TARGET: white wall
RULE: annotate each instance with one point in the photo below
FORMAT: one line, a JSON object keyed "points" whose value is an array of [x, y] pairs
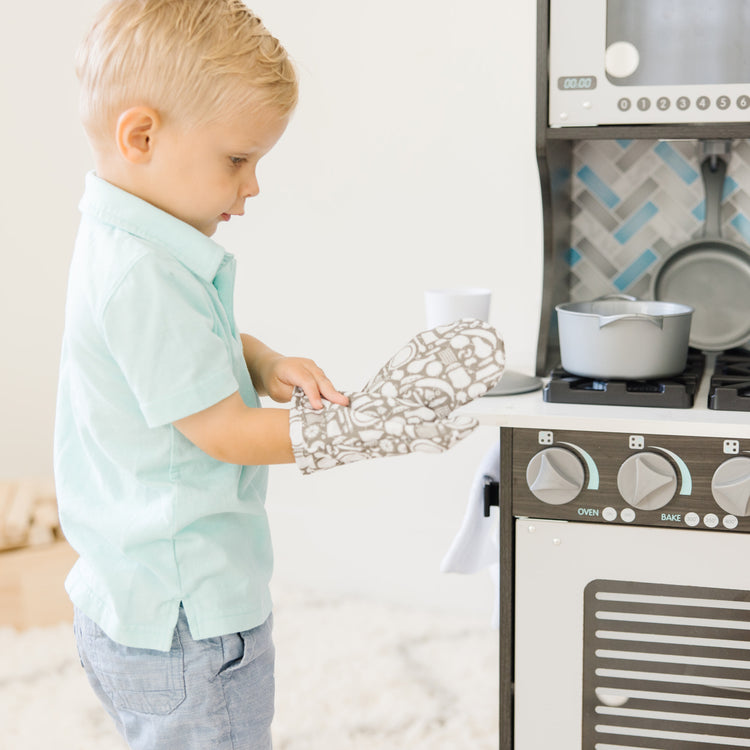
{"points": [[409, 164]]}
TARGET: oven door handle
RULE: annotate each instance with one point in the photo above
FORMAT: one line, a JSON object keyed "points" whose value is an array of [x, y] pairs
{"points": [[491, 494]]}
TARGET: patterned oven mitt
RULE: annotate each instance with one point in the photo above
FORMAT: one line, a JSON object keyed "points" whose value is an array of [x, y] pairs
{"points": [[371, 426], [444, 367], [406, 406]]}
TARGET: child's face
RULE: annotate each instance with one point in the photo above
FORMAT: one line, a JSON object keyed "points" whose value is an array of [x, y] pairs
{"points": [[203, 175]]}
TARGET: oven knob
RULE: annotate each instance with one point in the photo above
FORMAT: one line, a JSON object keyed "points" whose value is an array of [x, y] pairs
{"points": [[731, 486], [555, 476], [647, 481]]}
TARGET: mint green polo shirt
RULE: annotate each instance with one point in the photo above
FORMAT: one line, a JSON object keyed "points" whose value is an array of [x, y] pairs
{"points": [[150, 338]]}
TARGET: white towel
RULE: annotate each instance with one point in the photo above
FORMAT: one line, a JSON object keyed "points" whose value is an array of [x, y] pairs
{"points": [[477, 544]]}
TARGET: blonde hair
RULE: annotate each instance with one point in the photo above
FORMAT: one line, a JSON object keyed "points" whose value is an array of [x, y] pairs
{"points": [[196, 60]]}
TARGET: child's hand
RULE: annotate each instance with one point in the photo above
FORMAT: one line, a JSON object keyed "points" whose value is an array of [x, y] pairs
{"points": [[276, 376], [284, 373]]}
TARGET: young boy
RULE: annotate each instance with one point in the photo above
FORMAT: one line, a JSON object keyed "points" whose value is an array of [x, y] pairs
{"points": [[161, 449]]}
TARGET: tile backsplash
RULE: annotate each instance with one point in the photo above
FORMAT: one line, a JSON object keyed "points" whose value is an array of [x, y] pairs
{"points": [[634, 202]]}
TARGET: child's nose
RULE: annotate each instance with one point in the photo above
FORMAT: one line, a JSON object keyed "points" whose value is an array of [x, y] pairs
{"points": [[250, 188]]}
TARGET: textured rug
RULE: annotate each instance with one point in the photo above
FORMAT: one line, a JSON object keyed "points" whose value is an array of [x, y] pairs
{"points": [[351, 675]]}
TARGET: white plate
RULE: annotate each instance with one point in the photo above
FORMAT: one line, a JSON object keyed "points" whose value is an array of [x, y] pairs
{"points": [[513, 383]]}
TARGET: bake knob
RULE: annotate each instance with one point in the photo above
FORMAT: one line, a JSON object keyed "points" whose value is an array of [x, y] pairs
{"points": [[647, 481], [555, 476], [731, 486]]}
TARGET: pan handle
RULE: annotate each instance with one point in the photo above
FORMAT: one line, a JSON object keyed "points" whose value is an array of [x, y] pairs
{"points": [[608, 320], [714, 170]]}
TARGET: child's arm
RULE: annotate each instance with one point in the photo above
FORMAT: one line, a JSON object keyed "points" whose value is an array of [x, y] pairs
{"points": [[233, 432], [406, 408]]}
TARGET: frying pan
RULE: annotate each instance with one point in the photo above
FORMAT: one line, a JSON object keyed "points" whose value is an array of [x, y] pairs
{"points": [[711, 274]]}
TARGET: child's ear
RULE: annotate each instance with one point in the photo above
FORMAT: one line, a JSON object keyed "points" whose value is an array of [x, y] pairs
{"points": [[135, 130]]}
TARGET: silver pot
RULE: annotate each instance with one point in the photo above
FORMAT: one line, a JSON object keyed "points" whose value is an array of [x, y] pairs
{"points": [[623, 338]]}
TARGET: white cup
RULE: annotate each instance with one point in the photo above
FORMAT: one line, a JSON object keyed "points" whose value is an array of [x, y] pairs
{"points": [[443, 306]]}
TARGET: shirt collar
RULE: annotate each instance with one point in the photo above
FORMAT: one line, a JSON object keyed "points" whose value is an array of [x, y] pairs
{"points": [[122, 210]]}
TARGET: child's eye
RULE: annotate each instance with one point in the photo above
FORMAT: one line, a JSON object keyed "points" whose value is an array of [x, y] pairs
{"points": [[237, 160]]}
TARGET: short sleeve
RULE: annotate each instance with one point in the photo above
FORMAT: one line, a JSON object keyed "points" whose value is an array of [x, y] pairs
{"points": [[163, 328]]}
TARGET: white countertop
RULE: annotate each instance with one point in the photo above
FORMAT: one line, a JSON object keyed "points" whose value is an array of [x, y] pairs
{"points": [[530, 410]]}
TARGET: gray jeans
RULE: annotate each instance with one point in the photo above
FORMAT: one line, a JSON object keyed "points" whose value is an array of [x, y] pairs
{"points": [[216, 693]]}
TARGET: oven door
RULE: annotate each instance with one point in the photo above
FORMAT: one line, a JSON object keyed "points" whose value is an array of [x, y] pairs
{"points": [[630, 637]]}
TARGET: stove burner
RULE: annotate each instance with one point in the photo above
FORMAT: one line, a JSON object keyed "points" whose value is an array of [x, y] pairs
{"points": [[730, 383], [733, 363], [677, 392]]}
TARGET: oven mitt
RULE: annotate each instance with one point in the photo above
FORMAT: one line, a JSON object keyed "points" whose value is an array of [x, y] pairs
{"points": [[444, 367], [406, 406], [371, 426]]}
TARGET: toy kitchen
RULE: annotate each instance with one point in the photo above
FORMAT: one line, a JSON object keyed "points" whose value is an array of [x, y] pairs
{"points": [[624, 493]]}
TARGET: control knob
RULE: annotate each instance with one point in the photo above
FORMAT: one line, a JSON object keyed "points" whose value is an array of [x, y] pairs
{"points": [[555, 476], [647, 480], [731, 486]]}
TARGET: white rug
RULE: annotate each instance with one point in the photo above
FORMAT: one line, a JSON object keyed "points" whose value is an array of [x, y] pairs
{"points": [[351, 675]]}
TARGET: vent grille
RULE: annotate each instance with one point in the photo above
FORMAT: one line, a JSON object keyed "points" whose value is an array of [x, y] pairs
{"points": [[665, 667]]}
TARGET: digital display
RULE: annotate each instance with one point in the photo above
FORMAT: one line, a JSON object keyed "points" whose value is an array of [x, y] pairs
{"points": [[677, 42], [576, 83]]}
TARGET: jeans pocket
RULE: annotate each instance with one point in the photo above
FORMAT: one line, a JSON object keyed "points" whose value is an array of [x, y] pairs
{"points": [[135, 679], [240, 649]]}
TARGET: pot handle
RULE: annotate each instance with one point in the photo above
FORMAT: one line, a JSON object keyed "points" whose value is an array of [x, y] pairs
{"points": [[607, 320]]}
